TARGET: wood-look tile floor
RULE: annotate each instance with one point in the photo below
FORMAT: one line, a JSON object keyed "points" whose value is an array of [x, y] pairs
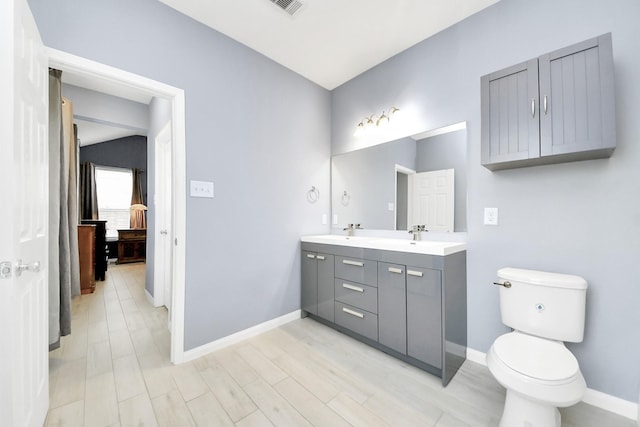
{"points": [[114, 370]]}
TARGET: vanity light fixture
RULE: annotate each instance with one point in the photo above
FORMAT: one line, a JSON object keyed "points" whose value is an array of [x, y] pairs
{"points": [[373, 121]]}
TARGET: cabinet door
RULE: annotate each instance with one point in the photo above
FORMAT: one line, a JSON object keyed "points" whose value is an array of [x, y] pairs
{"points": [[392, 307], [424, 315], [577, 98], [510, 125], [325, 268], [309, 282]]}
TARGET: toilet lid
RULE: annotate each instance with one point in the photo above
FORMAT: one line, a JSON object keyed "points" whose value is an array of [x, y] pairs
{"points": [[536, 357]]}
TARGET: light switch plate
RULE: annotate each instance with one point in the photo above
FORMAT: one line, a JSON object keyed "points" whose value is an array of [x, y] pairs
{"points": [[201, 189], [391, 206], [490, 216], [325, 220]]}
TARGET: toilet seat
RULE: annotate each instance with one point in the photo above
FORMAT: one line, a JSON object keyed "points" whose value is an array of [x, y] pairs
{"points": [[539, 359], [566, 390]]}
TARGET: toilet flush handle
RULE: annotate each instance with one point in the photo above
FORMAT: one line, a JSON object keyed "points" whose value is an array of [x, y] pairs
{"points": [[506, 284]]}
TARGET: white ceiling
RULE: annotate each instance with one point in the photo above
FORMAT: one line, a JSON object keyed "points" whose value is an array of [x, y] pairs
{"points": [[330, 41], [93, 132]]}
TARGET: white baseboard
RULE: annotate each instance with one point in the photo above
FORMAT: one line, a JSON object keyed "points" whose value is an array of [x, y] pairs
{"points": [[150, 298], [592, 397], [239, 336]]}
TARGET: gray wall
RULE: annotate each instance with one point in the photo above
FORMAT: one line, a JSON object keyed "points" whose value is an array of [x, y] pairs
{"points": [[447, 151], [106, 109], [129, 152], [256, 129], [581, 218]]}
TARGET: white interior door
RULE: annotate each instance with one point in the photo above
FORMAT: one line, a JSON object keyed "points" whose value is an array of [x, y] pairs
{"points": [[24, 172], [163, 205], [432, 200]]}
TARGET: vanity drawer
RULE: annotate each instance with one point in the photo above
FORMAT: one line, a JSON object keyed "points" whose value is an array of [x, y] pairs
{"points": [[357, 295], [359, 321], [357, 270]]}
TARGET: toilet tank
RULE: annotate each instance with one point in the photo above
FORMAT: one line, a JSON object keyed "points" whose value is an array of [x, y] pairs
{"points": [[548, 305]]}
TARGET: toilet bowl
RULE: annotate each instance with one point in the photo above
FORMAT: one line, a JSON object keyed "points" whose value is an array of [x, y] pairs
{"points": [[532, 363], [540, 375]]}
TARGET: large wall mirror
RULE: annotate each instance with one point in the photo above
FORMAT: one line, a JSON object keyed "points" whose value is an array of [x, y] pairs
{"points": [[415, 180]]}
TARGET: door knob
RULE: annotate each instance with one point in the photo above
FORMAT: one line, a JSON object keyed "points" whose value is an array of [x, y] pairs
{"points": [[5, 269], [33, 267]]}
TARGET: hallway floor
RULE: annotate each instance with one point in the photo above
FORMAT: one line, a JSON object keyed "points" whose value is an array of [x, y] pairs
{"points": [[114, 370]]}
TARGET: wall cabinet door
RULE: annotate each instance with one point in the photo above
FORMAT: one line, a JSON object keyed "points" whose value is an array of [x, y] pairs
{"points": [[309, 282], [392, 307], [577, 98], [510, 126], [424, 315], [326, 306]]}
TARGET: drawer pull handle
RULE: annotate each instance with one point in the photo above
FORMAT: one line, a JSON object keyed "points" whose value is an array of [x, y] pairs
{"points": [[353, 313], [395, 270], [354, 263], [311, 256], [320, 257], [414, 273], [353, 288]]}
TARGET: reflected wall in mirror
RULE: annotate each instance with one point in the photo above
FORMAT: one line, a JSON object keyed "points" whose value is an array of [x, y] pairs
{"points": [[377, 186]]}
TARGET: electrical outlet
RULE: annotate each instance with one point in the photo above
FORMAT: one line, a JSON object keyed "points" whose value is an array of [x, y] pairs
{"points": [[325, 220], [490, 216], [201, 189]]}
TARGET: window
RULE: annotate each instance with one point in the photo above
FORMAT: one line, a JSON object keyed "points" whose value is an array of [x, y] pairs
{"points": [[113, 188]]}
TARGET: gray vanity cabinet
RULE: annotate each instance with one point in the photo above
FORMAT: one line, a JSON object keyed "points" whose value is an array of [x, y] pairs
{"points": [[556, 108], [317, 284], [424, 315], [412, 306], [392, 306]]}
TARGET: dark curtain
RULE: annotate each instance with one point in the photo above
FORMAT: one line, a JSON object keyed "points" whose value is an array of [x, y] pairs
{"points": [[64, 267], [55, 136], [88, 194], [137, 219]]}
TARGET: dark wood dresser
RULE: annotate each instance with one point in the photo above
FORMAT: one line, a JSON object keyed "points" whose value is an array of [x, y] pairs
{"points": [[132, 245], [86, 250], [102, 253]]}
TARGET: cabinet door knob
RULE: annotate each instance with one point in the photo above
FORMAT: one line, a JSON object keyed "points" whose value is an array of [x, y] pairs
{"points": [[354, 263], [414, 273], [353, 312], [353, 288], [395, 270], [533, 107]]}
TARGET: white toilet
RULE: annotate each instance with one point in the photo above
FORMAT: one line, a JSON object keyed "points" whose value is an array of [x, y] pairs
{"points": [[532, 363]]}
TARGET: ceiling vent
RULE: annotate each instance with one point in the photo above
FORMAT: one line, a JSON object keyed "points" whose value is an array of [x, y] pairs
{"points": [[289, 6]]}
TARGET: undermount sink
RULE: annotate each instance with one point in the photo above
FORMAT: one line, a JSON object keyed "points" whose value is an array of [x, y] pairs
{"points": [[425, 247]]}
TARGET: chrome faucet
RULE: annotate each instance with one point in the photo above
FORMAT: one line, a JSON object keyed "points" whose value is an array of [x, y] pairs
{"points": [[416, 230], [351, 228]]}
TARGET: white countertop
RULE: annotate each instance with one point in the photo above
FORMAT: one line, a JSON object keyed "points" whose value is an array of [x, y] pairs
{"points": [[424, 247]]}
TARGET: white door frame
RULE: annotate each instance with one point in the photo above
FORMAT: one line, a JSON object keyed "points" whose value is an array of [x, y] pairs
{"points": [[67, 62]]}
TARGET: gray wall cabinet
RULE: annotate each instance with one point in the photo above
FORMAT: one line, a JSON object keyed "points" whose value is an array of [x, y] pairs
{"points": [[411, 306], [317, 284], [552, 109]]}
